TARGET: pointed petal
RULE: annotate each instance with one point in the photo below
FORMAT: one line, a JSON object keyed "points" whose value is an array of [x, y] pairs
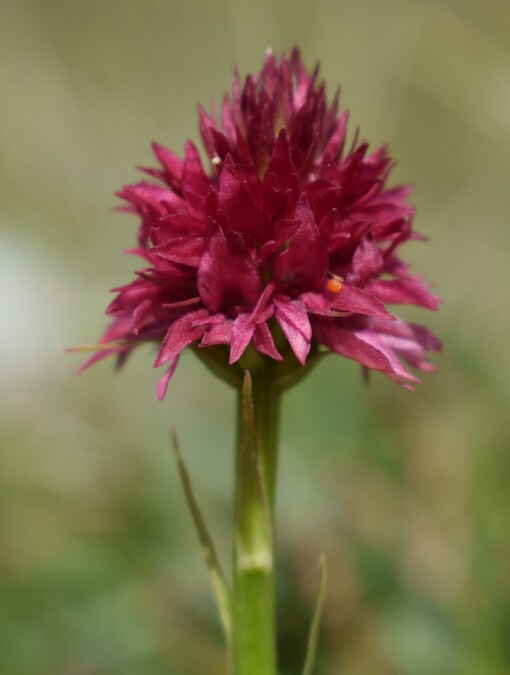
{"points": [[154, 196], [262, 310], [206, 124], [100, 355], [238, 201], [367, 263], [142, 315], [218, 334], [180, 334], [131, 295], [194, 178], [316, 303], [383, 345], [226, 278], [295, 312], [171, 163], [405, 330], [283, 230], [163, 383], [357, 301], [242, 332], [347, 343], [336, 143], [296, 328], [303, 265], [408, 341], [183, 250], [281, 164], [404, 291], [263, 341]]}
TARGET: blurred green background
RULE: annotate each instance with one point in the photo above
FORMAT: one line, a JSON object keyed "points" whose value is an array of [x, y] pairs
{"points": [[407, 494]]}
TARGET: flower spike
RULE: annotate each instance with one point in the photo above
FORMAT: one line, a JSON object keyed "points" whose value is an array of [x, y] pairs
{"points": [[280, 240]]}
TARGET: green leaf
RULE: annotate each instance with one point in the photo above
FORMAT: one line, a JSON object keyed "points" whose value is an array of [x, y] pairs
{"points": [[317, 615], [221, 589]]}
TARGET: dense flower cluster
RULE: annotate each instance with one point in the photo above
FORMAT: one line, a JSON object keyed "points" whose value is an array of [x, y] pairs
{"points": [[287, 240]]}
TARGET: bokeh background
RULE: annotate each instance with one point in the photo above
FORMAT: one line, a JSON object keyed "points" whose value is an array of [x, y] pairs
{"points": [[407, 494]]}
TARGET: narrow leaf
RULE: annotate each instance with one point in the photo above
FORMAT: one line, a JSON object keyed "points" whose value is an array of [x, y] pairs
{"points": [[219, 583], [317, 616]]}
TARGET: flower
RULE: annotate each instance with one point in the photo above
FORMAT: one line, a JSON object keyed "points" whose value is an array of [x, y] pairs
{"points": [[284, 245]]}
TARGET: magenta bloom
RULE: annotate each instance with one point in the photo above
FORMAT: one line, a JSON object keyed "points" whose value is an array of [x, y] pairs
{"points": [[286, 242]]}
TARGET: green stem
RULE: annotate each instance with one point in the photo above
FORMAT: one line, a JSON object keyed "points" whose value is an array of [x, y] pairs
{"points": [[253, 600], [266, 403]]}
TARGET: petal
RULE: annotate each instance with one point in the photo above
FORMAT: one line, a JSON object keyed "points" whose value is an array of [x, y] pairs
{"points": [[171, 163], [242, 332], [227, 280], [316, 303], [299, 344], [295, 325], [260, 312], [282, 231], [238, 202], [132, 295], [410, 351], [120, 329], [218, 334], [408, 291], [347, 343], [99, 356], [263, 341], [336, 143], [367, 263], [154, 196], [143, 315], [355, 300], [180, 334], [183, 250], [281, 164], [222, 146], [206, 124], [406, 330], [295, 312], [163, 383], [178, 225], [380, 343], [227, 115], [303, 265], [194, 178]]}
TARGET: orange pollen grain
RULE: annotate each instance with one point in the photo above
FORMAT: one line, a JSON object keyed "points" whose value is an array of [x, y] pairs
{"points": [[334, 285]]}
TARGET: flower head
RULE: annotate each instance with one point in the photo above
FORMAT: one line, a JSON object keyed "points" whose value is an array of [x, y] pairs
{"points": [[285, 242]]}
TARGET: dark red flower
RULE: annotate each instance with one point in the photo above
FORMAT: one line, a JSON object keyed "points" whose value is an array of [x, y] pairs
{"points": [[285, 242]]}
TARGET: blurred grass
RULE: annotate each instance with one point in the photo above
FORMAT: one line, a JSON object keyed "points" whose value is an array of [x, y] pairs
{"points": [[406, 494]]}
